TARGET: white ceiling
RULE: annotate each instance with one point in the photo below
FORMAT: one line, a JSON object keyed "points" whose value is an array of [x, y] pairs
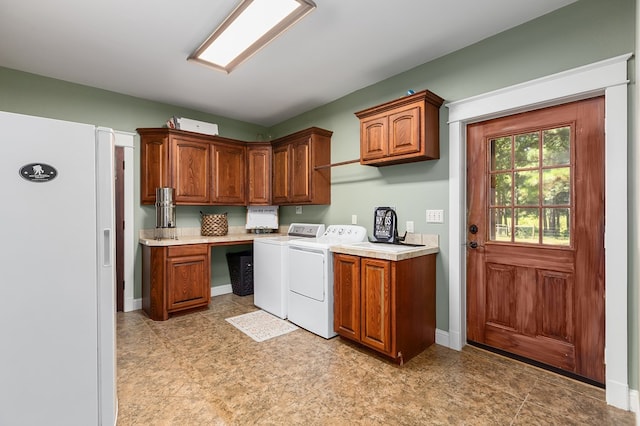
{"points": [[140, 48]]}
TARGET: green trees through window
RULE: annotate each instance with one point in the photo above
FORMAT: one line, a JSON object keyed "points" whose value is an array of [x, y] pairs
{"points": [[530, 187]]}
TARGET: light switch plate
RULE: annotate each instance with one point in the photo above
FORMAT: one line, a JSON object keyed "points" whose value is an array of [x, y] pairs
{"points": [[354, 219], [435, 216], [409, 226]]}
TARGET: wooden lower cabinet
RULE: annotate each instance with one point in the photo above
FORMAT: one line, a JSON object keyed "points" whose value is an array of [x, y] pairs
{"points": [[174, 279], [388, 306]]}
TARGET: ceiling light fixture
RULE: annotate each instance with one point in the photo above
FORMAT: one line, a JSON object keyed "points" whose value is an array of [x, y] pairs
{"points": [[252, 25]]}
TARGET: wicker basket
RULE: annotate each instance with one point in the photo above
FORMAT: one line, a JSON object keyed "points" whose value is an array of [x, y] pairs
{"points": [[214, 224]]}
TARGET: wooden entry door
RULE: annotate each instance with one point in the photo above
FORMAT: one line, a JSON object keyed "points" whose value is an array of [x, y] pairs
{"points": [[535, 232]]}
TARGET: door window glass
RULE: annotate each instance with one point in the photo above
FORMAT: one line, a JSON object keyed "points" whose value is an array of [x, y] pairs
{"points": [[530, 187]]}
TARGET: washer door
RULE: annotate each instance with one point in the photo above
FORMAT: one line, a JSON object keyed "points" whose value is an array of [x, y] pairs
{"points": [[307, 272]]}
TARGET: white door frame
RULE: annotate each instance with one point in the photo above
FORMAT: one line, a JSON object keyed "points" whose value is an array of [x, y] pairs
{"points": [[608, 78]]}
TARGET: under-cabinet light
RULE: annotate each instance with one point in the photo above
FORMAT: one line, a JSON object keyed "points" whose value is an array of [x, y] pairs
{"points": [[251, 25]]}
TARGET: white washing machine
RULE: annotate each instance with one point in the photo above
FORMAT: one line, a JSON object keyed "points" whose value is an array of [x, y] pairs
{"points": [[271, 267], [311, 277]]}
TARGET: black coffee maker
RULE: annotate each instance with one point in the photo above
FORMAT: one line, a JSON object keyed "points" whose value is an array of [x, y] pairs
{"points": [[385, 226]]}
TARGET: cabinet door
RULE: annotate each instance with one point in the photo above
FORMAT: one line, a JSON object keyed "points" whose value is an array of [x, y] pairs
{"points": [[281, 178], [187, 282], [228, 174], [404, 130], [259, 175], [301, 171], [376, 304], [373, 138], [346, 295], [191, 172], [154, 171]]}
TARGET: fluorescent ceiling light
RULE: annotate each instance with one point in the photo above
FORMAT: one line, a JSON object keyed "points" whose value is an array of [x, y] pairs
{"points": [[252, 25]]}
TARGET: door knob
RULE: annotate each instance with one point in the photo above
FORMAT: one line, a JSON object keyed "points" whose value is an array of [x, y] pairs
{"points": [[473, 244], [473, 229]]}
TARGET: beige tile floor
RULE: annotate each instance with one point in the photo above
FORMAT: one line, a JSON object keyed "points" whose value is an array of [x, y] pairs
{"points": [[197, 369]]}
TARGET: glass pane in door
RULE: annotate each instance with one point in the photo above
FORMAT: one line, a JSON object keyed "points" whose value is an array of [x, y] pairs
{"points": [[530, 187], [556, 226], [500, 149], [500, 228], [556, 146], [527, 150]]}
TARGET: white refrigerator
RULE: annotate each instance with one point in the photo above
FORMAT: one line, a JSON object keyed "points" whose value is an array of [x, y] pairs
{"points": [[57, 278]]}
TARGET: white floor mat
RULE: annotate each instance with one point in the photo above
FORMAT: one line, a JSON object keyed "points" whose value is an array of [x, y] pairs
{"points": [[260, 325]]}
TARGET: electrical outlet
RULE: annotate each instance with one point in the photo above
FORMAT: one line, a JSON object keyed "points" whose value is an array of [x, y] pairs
{"points": [[354, 219], [409, 226], [435, 216], [298, 209]]}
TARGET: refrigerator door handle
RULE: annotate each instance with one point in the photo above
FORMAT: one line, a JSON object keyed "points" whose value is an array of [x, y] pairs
{"points": [[106, 234]]}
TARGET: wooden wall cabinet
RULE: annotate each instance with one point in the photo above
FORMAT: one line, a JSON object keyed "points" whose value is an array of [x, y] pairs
{"points": [[401, 131], [206, 169], [174, 279], [388, 306], [259, 174], [154, 164], [202, 169], [229, 174], [295, 177], [190, 169]]}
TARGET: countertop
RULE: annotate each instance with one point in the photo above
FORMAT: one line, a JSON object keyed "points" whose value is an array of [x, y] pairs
{"points": [[236, 235], [392, 251], [382, 253]]}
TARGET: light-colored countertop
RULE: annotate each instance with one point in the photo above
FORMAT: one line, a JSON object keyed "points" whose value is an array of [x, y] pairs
{"points": [[392, 251], [236, 235]]}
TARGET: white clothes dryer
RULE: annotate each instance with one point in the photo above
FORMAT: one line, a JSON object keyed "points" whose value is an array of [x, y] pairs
{"points": [[311, 277]]}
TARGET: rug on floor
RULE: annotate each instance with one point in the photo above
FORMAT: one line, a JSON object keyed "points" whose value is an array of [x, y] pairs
{"points": [[260, 325]]}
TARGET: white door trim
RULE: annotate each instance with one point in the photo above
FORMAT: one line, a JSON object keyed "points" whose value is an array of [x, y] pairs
{"points": [[608, 78]]}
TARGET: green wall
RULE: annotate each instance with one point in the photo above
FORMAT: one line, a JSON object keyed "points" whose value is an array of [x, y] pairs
{"points": [[584, 32]]}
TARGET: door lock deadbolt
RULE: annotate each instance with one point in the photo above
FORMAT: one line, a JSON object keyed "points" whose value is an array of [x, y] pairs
{"points": [[473, 229]]}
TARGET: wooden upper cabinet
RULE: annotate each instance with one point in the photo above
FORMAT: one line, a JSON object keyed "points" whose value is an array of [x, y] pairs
{"points": [[401, 131], [259, 173], [301, 173], [296, 178], [154, 162], [228, 174], [281, 174], [191, 170], [206, 169]]}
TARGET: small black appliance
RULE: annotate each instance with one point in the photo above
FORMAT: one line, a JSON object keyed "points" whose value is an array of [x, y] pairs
{"points": [[385, 225]]}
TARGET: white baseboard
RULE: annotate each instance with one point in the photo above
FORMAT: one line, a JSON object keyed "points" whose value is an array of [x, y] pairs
{"points": [[618, 394], [131, 304], [219, 290], [442, 337], [634, 403]]}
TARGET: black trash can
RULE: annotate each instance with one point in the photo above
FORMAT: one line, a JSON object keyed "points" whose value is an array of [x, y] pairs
{"points": [[241, 272]]}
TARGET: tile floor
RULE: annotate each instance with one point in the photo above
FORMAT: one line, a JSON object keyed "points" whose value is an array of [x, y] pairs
{"points": [[197, 369]]}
